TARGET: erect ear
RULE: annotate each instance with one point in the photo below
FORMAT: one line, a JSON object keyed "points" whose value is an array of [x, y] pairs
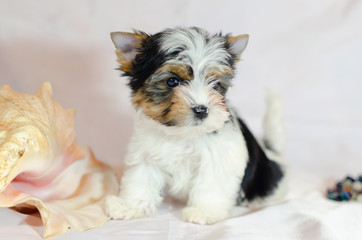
{"points": [[238, 44], [126, 47]]}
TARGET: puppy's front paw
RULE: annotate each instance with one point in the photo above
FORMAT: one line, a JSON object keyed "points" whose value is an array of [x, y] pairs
{"points": [[118, 208], [203, 216]]}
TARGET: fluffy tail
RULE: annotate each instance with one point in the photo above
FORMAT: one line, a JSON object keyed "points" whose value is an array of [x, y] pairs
{"points": [[274, 132]]}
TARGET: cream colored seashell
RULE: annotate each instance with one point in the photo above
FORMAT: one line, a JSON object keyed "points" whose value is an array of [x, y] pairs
{"points": [[42, 166]]}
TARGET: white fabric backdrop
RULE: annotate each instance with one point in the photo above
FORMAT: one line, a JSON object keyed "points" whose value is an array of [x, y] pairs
{"points": [[310, 52]]}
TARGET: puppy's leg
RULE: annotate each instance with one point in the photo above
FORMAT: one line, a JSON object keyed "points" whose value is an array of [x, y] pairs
{"points": [[213, 195], [141, 193]]}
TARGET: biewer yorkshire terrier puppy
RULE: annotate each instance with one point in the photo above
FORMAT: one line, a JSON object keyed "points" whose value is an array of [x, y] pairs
{"points": [[186, 137]]}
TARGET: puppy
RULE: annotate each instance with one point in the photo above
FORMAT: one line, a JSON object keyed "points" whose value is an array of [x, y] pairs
{"points": [[186, 137]]}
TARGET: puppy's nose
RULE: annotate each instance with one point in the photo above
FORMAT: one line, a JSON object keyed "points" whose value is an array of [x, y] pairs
{"points": [[200, 111]]}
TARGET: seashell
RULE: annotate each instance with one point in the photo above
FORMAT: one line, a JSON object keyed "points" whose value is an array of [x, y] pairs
{"points": [[43, 168]]}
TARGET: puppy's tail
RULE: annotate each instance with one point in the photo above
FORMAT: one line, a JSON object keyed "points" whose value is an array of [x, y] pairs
{"points": [[274, 131]]}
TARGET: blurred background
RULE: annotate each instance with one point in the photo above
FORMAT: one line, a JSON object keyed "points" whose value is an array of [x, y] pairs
{"points": [[310, 52]]}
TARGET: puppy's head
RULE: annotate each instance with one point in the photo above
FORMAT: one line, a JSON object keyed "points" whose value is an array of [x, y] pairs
{"points": [[179, 77]]}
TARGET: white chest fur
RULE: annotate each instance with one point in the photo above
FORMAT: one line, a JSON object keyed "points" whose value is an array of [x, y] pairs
{"points": [[183, 160]]}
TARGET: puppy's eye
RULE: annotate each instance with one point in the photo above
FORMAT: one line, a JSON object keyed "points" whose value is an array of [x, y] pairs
{"points": [[216, 86], [172, 82]]}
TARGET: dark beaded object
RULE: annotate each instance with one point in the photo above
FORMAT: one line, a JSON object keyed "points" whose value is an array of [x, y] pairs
{"points": [[343, 191]]}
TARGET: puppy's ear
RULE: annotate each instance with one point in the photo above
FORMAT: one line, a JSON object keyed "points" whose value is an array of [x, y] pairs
{"points": [[127, 45], [238, 44]]}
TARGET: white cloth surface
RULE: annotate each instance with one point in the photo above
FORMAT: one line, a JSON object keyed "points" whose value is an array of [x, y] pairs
{"points": [[310, 52]]}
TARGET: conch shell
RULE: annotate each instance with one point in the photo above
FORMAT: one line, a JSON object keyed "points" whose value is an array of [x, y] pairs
{"points": [[42, 166]]}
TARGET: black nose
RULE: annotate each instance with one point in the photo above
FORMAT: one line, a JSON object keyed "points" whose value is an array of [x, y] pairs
{"points": [[201, 111]]}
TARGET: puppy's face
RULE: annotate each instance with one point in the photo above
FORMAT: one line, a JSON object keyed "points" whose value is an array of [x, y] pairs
{"points": [[179, 77]]}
